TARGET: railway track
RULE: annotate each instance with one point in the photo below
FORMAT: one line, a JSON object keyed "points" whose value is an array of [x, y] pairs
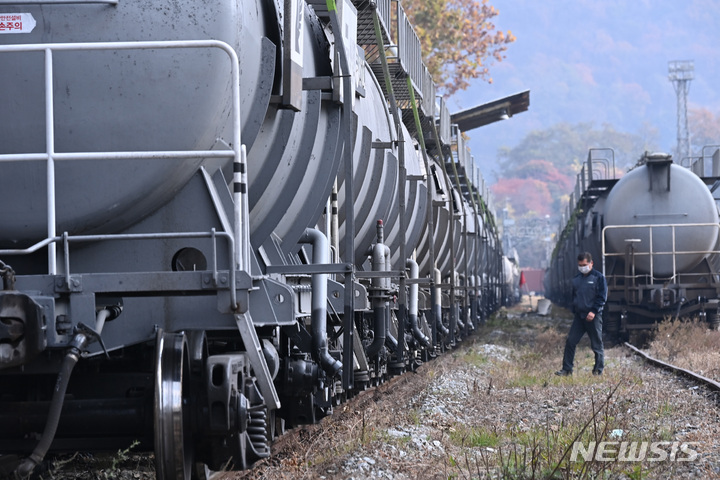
{"points": [[346, 418], [488, 396], [712, 384]]}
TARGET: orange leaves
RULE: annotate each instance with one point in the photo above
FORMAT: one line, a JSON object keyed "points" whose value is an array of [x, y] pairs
{"points": [[458, 39], [525, 196], [704, 127]]}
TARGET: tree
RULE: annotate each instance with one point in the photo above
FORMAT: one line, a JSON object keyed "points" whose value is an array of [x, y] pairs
{"points": [[537, 175], [704, 128], [566, 147], [526, 196], [457, 38]]}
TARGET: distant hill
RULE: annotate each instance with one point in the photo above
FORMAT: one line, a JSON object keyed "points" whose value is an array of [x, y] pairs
{"points": [[602, 62]]}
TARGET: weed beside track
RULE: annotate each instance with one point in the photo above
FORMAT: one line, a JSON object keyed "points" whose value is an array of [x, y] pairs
{"points": [[493, 408]]}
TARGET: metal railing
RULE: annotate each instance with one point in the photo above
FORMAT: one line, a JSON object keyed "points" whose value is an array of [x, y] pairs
{"points": [[442, 118], [428, 93], [608, 164], [383, 11], [593, 169], [673, 252], [409, 53], [706, 164], [240, 256], [56, 2]]}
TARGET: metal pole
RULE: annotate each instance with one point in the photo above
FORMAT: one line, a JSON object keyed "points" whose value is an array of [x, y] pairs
{"points": [[348, 144], [402, 297], [50, 141]]}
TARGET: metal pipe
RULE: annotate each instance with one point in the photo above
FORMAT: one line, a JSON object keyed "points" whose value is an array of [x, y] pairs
{"points": [[379, 330], [348, 146], [437, 303], [413, 304], [472, 292], [50, 167], [466, 304], [390, 341], [380, 262], [458, 321], [334, 235], [379, 300], [319, 302]]}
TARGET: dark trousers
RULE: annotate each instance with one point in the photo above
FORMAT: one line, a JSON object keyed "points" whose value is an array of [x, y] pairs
{"points": [[594, 330]]}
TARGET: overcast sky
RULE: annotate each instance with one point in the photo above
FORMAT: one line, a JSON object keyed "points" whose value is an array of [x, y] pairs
{"points": [[602, 61]]}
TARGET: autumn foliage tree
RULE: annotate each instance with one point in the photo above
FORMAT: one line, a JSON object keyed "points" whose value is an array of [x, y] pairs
{"points": [[537, 175], [458, 39], [524, 196], [704, 128]]}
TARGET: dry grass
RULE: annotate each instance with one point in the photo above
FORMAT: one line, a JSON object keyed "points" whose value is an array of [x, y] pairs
{"points": [[688, 344], [493, 408], [481, 413], [529, 419]]}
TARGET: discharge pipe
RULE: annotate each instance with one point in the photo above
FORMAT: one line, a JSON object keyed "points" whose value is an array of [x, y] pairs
{"points": [[473, 297], [390, 341], [379, 262], [413, 304], [318, 319], [459, 280], [437, 304]]}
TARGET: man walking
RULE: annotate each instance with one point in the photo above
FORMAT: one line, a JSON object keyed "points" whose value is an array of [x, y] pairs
{"points": [[589, 295]]}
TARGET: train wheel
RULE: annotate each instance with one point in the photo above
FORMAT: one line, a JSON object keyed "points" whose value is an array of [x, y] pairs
{"points": [[174, 450]]}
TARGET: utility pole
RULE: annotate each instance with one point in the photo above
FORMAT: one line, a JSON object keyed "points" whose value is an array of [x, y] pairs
{"points": [[680, 72]]}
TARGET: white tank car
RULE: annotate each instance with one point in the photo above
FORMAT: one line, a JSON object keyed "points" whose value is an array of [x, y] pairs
{"points": [[661, 193], [110, 101]]}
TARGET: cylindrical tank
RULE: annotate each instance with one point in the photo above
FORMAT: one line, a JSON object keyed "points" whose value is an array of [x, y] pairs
{"points": [[661, 193], [441, 232], [295, 158], [415, 207], [375, 170], [133, 100], [125, 100]]}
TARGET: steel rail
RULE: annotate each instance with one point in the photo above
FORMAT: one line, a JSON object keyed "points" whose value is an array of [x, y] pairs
{"points": [[675, 369]]}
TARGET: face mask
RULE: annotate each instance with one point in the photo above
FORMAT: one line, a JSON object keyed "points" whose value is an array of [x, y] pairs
{"points": [[585, 269]]}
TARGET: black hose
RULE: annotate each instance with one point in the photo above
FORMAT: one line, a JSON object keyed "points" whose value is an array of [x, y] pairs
{"points": [[71, 358]]}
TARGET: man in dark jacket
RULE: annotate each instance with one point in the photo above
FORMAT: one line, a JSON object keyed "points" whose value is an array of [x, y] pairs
{"points": [[589, 295]]}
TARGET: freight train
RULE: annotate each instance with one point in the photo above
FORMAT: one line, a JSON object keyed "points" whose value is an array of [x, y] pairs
{"points": [[653, 232], [220, 220]]}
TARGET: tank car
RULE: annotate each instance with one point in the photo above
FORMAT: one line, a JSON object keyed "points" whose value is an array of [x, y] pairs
{"points": [[654, 234], [220, 220]]}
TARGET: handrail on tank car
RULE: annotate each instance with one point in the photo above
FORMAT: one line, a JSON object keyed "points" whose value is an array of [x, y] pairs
{"points": [[592, 159], [240, 255], [409, 50], [650, 252], [704, 155], [697, 163], [606, 166], [67, 239], [55, 2]]}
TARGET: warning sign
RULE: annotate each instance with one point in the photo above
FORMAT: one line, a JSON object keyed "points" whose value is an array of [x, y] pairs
{"points": [[16, 23]]}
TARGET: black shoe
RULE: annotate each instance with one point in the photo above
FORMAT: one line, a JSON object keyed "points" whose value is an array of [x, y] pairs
{"points": [[597, 372], [563, 373]]}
